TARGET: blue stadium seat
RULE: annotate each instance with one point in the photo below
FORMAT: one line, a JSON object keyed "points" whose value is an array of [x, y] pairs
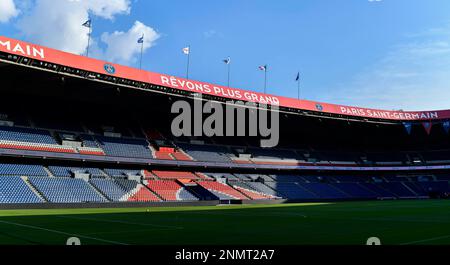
{"points": [[184, 195], [206, 152], [65, 190], [381, 192], [122, 147], [398, 188], [15, 190], [355, 190], [121, 172], [22, 170], [290, 190], [324, 190], [287, 178], [68, 171], [261, 187], [109, 188], [26, 135]]}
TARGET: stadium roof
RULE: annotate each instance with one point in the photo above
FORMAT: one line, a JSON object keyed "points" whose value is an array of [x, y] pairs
{"points": [[45, 54]]}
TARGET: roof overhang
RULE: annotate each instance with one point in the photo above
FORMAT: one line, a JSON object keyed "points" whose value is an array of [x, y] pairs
{"points": [[109, 72]]}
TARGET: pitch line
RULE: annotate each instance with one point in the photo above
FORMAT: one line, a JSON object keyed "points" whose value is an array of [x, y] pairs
{"points": [[122, 222], [425, 240], [63, 233]]}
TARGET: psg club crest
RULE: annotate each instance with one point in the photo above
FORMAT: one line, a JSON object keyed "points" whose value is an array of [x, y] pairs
{"points": [[109, 69], [319, 107]]}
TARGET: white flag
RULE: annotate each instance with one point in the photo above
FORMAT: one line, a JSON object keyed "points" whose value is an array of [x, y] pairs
{"points": [[186, 50]]}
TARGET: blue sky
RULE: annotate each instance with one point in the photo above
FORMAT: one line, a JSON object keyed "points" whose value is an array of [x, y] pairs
{"points": [[392, 54]]}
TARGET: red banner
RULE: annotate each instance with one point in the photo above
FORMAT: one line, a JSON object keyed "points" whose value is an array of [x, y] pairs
{"points": [[80, 62]]}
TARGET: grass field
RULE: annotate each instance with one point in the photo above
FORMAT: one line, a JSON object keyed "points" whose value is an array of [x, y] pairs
{"points": [[394, 222]]}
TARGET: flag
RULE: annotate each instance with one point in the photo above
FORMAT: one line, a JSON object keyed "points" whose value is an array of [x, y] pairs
{"points": [[187, 50], [446, 125], [87, 24], [427, 126], [227, 60], [141, 39], [408, 127], [298, 76], [263, 67]]}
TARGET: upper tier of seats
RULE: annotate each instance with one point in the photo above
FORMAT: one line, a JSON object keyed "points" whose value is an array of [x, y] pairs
{"points": [[50, 140], [125, 147], [26, 135], [206, 152]]}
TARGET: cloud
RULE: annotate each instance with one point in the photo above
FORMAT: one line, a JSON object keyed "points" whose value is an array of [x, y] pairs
{"points": [[209, 34], [123, 47], [8, 10], [57, 24], [412, 76], [212, 33]]}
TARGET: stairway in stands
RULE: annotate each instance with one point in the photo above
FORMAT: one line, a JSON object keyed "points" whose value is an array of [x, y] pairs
{"points": [[34, 190]]}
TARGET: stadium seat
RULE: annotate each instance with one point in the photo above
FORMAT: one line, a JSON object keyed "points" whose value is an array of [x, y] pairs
{"points": [[59, 171], [170, 190], [13, 189], [124, 147], [22, 170], [66, 190], [223, 191], [291, 190]]}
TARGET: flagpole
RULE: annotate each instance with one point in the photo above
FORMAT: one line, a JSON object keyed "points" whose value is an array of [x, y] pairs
{"points": [[188, 61], [89, 38], [298, 86], [229, 68], [265, 79], [142, 50]]}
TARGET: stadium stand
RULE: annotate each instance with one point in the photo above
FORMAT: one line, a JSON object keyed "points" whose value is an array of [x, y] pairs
{"points": [[399, 189], [59, 171], [109, 189], [50, 152], [124, 147], [113, 172], [174, 175], [291, 190], [170, 190], [22, 170], [223, 191], [26, 135], [206, 152], [66, 190], [250, 192], [324, 191], [355, 190], [15, 190]]}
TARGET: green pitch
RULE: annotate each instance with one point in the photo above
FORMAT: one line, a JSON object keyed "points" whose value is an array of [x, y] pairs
{"points": [[394, 222]]}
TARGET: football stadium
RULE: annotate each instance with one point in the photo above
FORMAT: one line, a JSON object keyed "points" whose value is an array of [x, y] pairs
{"points": [[87, 152]]}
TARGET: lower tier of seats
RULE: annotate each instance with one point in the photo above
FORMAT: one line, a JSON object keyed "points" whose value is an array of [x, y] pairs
{"points": [[38, 184]]}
